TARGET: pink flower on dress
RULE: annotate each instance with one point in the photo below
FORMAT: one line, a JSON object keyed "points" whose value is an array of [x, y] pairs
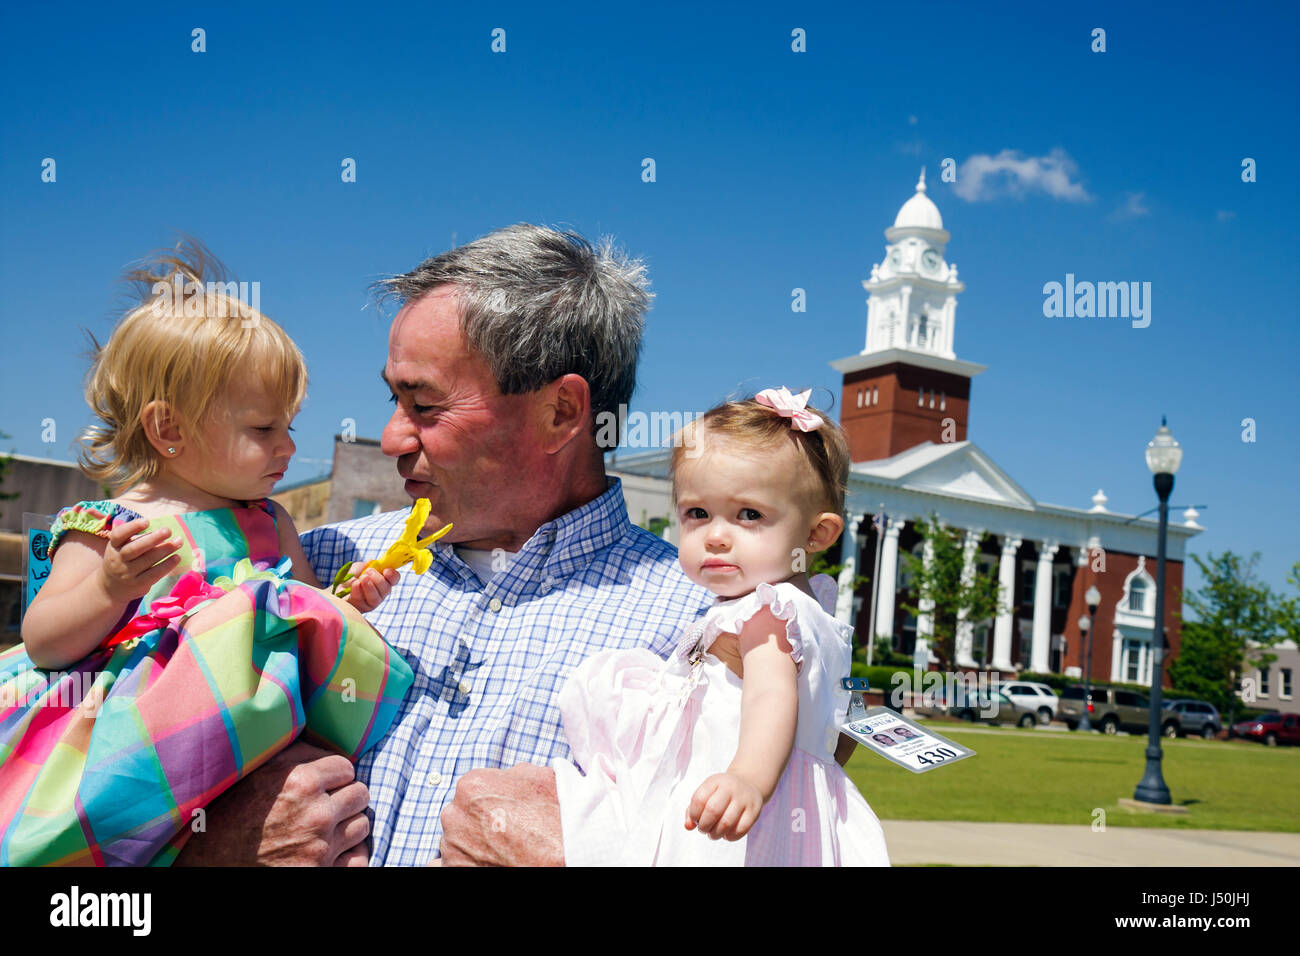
{"points": [[190, 591]]}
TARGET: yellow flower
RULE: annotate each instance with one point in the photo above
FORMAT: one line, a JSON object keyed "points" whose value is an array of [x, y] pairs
{"points": [[407, 549]]}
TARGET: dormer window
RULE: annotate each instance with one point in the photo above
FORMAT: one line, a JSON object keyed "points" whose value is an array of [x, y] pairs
{"points": [[1137, 596]]}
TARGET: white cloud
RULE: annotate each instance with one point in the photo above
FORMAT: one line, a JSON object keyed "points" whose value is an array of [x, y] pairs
{"points": [[1224, 215], [1010, 173], [911, 121], [911, 147], [1134, 207]]}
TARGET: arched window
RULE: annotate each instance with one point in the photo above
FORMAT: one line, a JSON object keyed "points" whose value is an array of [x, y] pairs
{"points": [[1137, 595]]}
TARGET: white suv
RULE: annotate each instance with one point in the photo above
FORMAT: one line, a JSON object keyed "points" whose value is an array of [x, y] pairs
{"points": [[1036, 697]]}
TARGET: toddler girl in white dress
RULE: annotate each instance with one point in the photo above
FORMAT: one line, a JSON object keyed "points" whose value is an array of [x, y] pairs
{"points": [[724, 754]]}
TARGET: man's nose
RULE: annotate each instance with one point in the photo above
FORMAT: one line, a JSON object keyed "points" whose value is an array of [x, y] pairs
{"points": [[398, 437]]}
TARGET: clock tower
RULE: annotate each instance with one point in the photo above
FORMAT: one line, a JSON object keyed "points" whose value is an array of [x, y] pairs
{"points": [[907, 386]]}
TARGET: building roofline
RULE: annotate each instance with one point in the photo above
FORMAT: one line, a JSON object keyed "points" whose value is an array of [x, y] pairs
{"points": [[62, 463]]}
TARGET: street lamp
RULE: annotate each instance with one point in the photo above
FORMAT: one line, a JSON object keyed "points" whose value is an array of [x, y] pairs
{"points": [[1092, 598], [1164, 455]]}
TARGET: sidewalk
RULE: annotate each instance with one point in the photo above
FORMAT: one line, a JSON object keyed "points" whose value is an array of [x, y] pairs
{"points": [[1042, 844]]}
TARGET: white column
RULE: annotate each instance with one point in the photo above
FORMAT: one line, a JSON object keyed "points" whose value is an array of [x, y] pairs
{"points": [[965, 629], [844, 597], [1007, 585], [924, 618], [1117, 656], [884, 622], [1039, 659]]}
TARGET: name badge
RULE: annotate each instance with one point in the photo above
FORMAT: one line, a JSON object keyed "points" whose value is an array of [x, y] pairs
{"points": [[903, 741]]}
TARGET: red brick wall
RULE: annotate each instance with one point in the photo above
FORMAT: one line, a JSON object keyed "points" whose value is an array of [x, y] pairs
{"points": [[895, 422], [1118, 566]]}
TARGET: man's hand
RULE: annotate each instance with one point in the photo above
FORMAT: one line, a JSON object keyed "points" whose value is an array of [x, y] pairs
{"points": [[303, 807], [724, 806], [503, 818]]}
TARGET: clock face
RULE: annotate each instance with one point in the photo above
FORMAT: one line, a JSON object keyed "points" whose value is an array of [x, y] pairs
{"points": [[896, 258], [930, 261]]}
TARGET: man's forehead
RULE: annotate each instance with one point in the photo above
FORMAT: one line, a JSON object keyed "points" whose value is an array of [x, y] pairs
{"points": [[404, 382]]}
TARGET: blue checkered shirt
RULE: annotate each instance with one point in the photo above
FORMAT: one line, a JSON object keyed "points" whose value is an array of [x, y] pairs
{"points": [[490, 657]]}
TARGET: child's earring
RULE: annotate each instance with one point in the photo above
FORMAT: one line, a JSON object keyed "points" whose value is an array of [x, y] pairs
{"points": [[171, 450]]}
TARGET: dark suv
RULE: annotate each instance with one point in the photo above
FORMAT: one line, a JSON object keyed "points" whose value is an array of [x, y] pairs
{"points": [[1192, 717], [1112, 710]]}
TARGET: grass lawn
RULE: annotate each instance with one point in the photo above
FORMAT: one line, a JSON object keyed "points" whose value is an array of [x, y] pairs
{"points": [[1026, 776]]}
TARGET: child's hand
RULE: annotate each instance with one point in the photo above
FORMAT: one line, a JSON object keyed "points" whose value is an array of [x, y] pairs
{"points": [[131, 567], [371, 587], [724, 806]]}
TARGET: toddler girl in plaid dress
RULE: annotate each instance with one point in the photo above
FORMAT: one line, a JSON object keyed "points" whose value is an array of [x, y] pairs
{"points": [[169, 652], [725, 753]]}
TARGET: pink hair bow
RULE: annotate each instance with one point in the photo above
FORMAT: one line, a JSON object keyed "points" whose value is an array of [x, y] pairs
{"points": [[793, 407]]}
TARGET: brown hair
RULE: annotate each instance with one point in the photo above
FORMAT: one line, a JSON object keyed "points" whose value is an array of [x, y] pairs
{"points": [[825, 450]]}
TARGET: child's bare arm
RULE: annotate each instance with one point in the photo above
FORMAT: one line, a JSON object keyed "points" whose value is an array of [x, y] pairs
{"points": [[367, 590], [91, 582], [769, 709], [727, 805], [291, 547]]}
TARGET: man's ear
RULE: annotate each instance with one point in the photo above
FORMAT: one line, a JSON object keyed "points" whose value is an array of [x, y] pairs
{"points": [[565, 411], [162, 429], [825, 530]]}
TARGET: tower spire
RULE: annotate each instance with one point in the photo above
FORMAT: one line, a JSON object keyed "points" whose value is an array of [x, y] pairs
{"points": [[920, 183]]}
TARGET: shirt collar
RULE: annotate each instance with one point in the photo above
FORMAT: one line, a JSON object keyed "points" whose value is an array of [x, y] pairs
{"points": [[564, 545]]}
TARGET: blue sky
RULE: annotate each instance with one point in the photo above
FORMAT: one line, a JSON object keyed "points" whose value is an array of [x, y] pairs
{"points": [[774, 170]]}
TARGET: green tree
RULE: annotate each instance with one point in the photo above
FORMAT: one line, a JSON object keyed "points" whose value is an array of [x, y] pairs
{"points": [[1289, 608], [1238, 618], [940, 583]]}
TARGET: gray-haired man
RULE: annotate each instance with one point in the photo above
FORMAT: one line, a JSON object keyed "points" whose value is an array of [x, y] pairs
{"points": [[502, 356]]}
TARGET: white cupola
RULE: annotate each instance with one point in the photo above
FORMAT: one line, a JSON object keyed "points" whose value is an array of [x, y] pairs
{"points": [[913, 301]]}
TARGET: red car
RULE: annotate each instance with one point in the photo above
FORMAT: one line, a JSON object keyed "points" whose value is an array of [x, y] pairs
{"points": [[1273, 729]]}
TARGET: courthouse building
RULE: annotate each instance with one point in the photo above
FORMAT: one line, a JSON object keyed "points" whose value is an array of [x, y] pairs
{"points": [[905, 407]]}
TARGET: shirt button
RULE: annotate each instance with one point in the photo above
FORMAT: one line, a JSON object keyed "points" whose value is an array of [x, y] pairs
{"points": [[435, 778], [494, 604], [464, 687]]}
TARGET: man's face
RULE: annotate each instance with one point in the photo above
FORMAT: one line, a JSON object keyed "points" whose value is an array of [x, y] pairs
{"points": [[458, 441]]}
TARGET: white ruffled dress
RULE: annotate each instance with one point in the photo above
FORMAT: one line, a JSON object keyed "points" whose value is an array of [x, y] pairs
{"points": [[648, 732]]}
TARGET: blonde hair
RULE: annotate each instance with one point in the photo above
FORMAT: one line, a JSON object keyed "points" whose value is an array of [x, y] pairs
{"points": [[825, 450], [185, 344]]}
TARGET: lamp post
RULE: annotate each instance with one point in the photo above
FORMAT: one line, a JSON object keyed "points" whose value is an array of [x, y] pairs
{"points": [[1093, 598], [1164, 455]]}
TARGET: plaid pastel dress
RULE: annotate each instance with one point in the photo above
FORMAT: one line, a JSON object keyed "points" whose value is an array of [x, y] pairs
{"points": [[218, 668]]}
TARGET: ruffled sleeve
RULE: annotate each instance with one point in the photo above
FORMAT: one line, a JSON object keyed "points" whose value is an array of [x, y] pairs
{"points": [[92, 517], [731, 616]]}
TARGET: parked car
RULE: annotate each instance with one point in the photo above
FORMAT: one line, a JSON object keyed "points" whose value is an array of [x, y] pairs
{"points": [[1036, 697], [1192, 717], [1272, 728], [1111, 710], [994, 707]]}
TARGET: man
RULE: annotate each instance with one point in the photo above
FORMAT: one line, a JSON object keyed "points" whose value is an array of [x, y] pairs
{"points": [[503, 355]]}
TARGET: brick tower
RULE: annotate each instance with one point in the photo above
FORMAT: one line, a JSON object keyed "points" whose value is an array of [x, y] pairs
{"points": [[907, 386]]}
